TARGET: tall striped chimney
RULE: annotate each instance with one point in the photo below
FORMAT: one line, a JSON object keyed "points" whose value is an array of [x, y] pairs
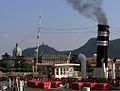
{"points": [[102, 45]]}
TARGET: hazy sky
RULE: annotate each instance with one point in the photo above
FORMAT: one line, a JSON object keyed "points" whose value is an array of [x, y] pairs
{"points": [[63, 27]]}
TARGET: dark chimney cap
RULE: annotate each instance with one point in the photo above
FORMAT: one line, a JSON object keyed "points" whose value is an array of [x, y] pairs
{"points": [[102, 25]]}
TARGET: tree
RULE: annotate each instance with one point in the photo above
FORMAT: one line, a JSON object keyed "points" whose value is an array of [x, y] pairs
{"points": [[74, 59], [26, 67], [90, 68], [6, 62], [19, 61], [21, 64]]}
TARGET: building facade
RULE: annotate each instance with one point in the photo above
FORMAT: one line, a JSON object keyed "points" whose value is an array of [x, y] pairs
{"points": [[57, 66]]}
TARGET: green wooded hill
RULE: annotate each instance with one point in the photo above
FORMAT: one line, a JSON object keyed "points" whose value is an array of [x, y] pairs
{"points": [[88, 49]]}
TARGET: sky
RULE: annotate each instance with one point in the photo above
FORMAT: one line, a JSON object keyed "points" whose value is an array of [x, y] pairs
{"points": [[62, 27]]}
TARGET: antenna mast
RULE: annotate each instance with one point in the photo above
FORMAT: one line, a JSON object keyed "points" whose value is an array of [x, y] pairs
{"points": [[38, 39]]}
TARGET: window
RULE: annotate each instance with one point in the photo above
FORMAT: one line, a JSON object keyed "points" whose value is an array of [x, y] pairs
{"points": [[57, 71], [61, 71], [44, 71]]}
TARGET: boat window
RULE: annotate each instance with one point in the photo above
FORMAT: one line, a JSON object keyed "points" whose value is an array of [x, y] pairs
{"points": [[61, 71], [57, 71]]}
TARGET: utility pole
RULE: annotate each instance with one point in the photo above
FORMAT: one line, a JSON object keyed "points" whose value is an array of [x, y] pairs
{"points": [[38, 40]]}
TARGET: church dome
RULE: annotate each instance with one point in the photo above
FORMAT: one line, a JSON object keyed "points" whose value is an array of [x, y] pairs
{"points": [[17, 51]]}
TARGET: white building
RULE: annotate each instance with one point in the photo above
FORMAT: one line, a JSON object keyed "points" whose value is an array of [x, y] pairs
{"points": [[57, 67]]}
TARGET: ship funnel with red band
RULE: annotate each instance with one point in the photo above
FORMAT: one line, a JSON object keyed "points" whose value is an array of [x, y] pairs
{"points": [[102, 44]]}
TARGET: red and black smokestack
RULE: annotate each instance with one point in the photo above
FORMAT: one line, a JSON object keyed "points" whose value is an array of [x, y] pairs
{"points": [[102, 44]]}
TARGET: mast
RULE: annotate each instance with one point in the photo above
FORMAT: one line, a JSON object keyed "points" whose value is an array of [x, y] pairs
{"points": [[38, 44]]}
